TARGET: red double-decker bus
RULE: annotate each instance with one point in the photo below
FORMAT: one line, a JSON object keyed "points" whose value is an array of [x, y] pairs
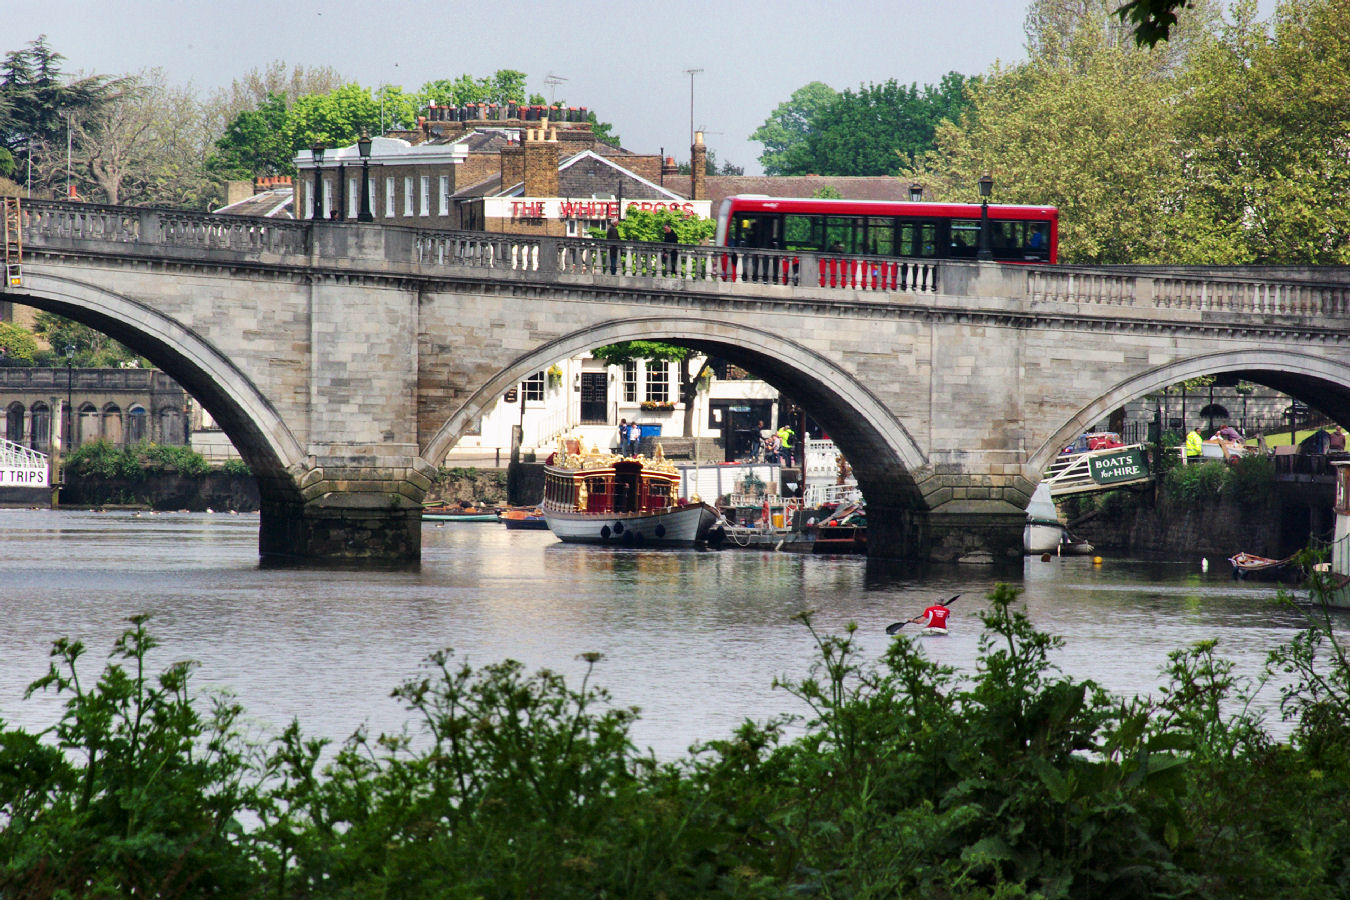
{"points": [[1017, 234]]}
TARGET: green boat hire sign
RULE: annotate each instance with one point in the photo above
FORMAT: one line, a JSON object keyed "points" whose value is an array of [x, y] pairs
{"points": [[1127, 465]]}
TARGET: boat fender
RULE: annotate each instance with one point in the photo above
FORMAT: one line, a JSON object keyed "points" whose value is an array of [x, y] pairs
{"points": [[660, 529], [629, 538], [638, 538], [605, 532], [618, 528]]}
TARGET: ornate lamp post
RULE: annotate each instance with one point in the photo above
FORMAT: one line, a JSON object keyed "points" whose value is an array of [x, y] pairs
{"points": [[317, 150], [915, 192], [986, 188], [363, 145]]}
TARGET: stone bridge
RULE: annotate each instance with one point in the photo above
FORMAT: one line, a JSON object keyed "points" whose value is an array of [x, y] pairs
{"points": [[344, 360]]}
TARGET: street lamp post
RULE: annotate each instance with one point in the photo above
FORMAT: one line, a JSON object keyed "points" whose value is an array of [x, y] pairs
{"points": [[317, 151], [363, 145], [986, 188], [915, 192], [69, 423]]}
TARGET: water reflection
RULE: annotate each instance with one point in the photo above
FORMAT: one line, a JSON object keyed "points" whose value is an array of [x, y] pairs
{"points": [[693, 638]]}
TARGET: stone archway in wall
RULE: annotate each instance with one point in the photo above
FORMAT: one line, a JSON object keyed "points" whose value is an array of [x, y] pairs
{"points": [[243, 413], [883, 454], [1316, 380]]}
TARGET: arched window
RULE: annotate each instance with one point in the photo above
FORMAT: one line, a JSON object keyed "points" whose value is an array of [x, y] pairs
{"points": [[136, 425], [112, 424], [87, 428], [42, 428], [1214, 411], [14, 423]]}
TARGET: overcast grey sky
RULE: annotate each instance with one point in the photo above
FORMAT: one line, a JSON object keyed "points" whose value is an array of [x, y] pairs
{"points": [[624, 60]]}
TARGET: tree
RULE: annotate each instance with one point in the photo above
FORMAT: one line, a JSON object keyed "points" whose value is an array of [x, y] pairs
{"points": [[16, 343], [38, 103], [92, 347], [1265, 124], [874, 130], [789, 124]]}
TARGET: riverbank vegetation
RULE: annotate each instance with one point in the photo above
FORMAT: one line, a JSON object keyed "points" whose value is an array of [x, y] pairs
{"points": [[909, 778]]}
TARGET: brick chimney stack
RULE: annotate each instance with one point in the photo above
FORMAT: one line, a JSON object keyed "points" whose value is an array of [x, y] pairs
{"points": [[541, 161], [698, 168]]}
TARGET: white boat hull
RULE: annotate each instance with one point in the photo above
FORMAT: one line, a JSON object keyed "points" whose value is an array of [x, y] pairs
{"points": [[680, 526], [1040, 538]]}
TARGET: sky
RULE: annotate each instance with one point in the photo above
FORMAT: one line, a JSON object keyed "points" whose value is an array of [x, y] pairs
{"points": [[626, 61]]}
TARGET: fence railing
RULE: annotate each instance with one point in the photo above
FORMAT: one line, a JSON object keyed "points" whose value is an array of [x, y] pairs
{"points": [[1227, 292]]}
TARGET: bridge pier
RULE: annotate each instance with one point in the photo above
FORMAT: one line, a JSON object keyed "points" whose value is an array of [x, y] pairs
{"points": [[346, 515], [970, 535]]}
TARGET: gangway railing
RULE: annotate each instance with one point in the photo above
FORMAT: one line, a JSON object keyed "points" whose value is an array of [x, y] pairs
{"points": [[1072, 473], [21, 466], [821, 494]]}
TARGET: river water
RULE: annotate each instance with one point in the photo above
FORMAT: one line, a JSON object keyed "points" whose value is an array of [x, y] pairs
{"points": [[693, 638]]}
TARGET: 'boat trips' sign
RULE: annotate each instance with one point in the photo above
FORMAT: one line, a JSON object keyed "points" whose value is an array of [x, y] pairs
{"points": [[1127, 465]]}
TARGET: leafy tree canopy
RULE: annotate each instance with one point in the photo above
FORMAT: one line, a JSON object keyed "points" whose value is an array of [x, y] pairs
{"points": [[870, 131], [1225, 147], [789, 124], [649, 225]]}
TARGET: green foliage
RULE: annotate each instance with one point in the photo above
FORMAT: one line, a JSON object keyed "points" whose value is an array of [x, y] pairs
{"points": [[235, 467], [1250, 480], [1197, 482], [867, 132], [133, 792], [789, 126], [907, 778], [16, 343], [649, 225], [100, 459], [1223, 182], [93, 349]]}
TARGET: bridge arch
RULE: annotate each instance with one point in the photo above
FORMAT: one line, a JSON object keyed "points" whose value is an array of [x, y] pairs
{"points": [[1322, 382], [881, 451], [208, 374]]}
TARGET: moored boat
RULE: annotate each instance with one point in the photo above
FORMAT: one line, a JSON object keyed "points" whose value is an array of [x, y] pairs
{"points": [[446, 513], [1263, 568], [524, 517], [603, 498]]}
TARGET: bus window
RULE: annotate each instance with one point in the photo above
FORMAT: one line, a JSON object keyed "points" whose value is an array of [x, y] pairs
{"points": [[802, 232], [880, 237], [841, 236], [964, 238], [755, 230], [916, 239], [1037, 244]]}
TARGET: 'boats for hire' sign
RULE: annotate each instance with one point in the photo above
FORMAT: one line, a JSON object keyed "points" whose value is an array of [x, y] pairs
{"points": [[1127, 465]]}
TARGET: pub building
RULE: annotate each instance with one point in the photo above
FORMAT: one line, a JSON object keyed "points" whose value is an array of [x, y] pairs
{"points": [[484, 168]]}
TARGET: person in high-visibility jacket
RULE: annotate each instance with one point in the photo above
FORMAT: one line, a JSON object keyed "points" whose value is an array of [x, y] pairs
{"points": [[1193, 442], [786, 434]]}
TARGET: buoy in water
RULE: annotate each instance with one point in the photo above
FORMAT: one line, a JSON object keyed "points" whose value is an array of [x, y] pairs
{"points": [[1096, 560], [1045, 557]]}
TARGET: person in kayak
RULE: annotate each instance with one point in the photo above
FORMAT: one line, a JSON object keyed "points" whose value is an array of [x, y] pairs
{"points": [[933, 619]]}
